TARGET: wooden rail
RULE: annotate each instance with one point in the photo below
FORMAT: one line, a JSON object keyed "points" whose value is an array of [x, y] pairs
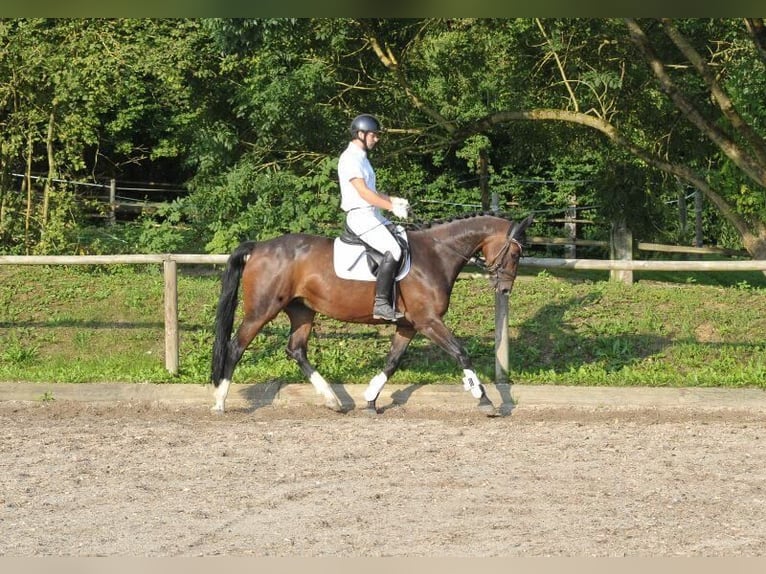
{"points": [[170, 264], [643, 265], [641, 246]]}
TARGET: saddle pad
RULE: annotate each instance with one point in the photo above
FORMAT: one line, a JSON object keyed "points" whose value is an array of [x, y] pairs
{"points": [[350, 262]]}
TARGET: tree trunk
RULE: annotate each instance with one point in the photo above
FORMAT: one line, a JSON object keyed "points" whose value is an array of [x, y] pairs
{"points": [[682, 211], [28, 180], [757, 30], [750, 166], [757, 247], [51, 174], [3, 194], [483, 176]]}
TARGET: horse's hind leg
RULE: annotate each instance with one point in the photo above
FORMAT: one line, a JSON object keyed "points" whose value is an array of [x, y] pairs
{"points": [[399, 344], [301, 323], [246, 332]]}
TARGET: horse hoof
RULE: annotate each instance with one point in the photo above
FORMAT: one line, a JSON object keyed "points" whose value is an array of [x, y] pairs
{"points": [[217, 411], [370, 411], [489, 410], [335, 406]]}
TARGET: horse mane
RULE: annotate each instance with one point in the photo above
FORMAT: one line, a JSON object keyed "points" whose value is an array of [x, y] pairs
{"points": [[519, 235], [421, 225]]}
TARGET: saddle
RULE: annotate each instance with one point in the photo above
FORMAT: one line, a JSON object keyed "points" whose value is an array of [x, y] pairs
{"points": [[354, 259]]}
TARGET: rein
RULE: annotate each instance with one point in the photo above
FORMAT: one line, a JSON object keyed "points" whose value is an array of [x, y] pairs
{"points": [[496, 266]]}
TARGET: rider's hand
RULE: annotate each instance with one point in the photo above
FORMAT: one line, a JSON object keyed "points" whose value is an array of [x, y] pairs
{"points": [[400, 207]]}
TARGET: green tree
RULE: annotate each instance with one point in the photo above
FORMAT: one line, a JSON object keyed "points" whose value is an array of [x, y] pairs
{"points": [[256, 112], [84, 99], [697, 121]]}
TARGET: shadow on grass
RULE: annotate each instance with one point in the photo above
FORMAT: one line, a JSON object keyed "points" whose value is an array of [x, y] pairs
{"points": [[548, 342]]}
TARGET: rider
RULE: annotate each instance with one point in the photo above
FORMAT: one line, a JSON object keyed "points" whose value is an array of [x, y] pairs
{"points": [[362, 203]]}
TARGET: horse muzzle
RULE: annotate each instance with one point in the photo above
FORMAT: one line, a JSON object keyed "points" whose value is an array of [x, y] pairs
{"points": [[503, 286]]}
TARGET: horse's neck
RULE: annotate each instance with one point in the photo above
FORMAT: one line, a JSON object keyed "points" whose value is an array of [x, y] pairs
{"points": [[456, 245]]}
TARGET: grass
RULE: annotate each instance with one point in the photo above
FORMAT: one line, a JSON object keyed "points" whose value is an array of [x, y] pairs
{"points": [[75, 324]]}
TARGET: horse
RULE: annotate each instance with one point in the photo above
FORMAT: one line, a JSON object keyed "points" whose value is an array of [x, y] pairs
{"points": [[294, 273]]}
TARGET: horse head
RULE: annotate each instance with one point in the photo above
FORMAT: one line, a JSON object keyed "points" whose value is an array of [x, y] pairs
{"points": [[502, 253]]}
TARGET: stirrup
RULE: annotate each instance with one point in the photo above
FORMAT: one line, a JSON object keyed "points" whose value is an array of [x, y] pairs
{"points": [[386, 312]]}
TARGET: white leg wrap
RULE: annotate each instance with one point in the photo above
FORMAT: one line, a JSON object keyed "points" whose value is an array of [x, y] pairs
{"points": [[220, 395], [376, 384], [471, 383], [323, 388]]}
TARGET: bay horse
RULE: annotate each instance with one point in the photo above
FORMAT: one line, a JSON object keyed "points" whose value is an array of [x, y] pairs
{"points": [[294, 273]]}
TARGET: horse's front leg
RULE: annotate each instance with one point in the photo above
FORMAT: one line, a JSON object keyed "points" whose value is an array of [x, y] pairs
{"points": [[301, 324], [399, 344], [437, 331]]}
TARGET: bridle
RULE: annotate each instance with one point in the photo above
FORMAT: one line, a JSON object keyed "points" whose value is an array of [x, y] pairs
{"points": [[497, 265]]}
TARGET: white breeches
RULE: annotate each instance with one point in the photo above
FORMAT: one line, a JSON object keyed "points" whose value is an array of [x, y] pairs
{"points": [[369, 224]]}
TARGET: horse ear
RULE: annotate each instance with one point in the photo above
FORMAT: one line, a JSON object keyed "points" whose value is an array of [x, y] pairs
{"points": [[518, 229], [527, 222]]}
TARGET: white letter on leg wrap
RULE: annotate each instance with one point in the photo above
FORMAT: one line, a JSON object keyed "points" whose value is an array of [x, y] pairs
{"points": [[471, 383], [376, 384]]}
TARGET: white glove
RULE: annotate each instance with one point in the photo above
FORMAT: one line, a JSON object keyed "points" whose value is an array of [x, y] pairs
{"points": [[400, 207]]}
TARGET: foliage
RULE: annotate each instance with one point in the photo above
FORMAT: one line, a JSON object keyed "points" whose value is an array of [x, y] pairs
{"points": [[252, 113], [86, 98], [255, 204]]}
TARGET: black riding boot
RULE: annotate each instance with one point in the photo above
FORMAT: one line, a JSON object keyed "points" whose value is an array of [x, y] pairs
{"points": [[384, 287]]}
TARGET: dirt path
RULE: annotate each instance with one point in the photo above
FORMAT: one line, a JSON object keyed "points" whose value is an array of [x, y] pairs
{"points": [[78, 479]]}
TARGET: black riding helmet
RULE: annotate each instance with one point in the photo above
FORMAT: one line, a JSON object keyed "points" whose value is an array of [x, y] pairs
{"points": [[364, 123]]}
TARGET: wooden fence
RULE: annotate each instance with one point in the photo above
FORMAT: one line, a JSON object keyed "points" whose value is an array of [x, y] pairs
{"points": [[170, 264]]}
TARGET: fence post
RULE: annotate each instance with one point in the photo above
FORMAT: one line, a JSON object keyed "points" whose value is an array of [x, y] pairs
{"points": [[501, 323], [501, 338], [112, 201], [570, 227], [170, 271], [621, 249], [698, 218]]}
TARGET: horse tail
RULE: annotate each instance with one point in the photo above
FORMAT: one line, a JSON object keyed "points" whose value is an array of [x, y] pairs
{"points": [[227, 306]]}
